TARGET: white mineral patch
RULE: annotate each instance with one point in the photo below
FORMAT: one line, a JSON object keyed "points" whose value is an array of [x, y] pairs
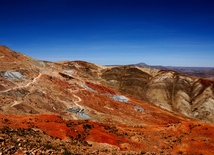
{"points": [[69, 71], [120, 98], [13, 75]]}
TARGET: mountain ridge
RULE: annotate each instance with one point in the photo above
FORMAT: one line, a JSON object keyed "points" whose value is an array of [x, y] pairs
{"points": [[203, 72], [103, 109]]}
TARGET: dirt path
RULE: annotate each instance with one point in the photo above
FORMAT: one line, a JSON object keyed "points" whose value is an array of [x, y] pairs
{"points": [[34, 80], [78, 98], [15, 103], [28, 84], [75, 91]]}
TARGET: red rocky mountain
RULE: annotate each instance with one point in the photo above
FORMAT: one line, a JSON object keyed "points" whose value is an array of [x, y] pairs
{"points": [[76, 107]]}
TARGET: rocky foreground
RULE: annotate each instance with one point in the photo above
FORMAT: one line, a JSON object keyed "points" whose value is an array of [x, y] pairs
{"points": [[50, 134]]}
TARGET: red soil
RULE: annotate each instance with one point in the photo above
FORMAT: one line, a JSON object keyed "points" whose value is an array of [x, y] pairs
{"points": [[206, 82], [183, 137], [100, 88]]}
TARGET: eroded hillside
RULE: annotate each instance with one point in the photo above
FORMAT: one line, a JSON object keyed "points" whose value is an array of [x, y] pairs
{"points": [[190, 96]]}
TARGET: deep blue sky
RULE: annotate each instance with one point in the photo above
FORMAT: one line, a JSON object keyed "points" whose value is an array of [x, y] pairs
{"points": [[157, 32]]}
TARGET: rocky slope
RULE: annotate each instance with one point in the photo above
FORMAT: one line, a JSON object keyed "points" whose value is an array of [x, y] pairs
{"points": [[190, 96], [81, 108]]}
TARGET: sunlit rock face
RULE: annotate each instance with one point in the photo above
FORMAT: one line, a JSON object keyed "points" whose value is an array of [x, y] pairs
{"points": [[190, 96], [182, 94]]}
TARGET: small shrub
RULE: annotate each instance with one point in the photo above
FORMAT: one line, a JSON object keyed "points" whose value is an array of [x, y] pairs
{"points": [[66, 152], [48, 145]]}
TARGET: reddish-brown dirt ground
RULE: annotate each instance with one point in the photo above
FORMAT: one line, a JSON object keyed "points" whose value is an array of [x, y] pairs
{"points": [[181, 138], [101, 89]]}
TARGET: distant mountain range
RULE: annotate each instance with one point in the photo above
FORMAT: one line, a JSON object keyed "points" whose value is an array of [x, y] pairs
{"points": [[204, 72]]}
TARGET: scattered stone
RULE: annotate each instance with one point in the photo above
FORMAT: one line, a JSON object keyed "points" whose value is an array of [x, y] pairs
{"points": [[74, 110], [82, 115], [138, 108], [1, 139], [119, 98]]}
